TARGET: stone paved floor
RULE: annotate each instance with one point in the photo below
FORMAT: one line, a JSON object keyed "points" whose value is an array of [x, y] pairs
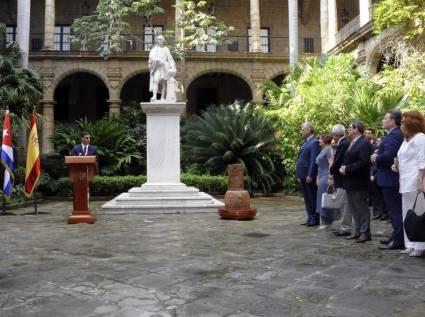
{"points": [[199, 265]]}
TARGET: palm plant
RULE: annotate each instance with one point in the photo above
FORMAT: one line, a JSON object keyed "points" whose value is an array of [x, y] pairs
{"points": [[370, 106], [226, 135], [20, 88], [119, 150]]}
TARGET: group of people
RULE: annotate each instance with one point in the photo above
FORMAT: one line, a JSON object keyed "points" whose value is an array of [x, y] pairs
{"points": [[353, 165]]}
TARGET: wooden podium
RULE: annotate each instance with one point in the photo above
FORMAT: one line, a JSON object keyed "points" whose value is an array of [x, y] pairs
{"points": [[81, 172]]}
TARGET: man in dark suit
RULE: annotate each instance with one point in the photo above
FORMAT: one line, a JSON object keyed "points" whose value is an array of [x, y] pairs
{"points": [[85, 148], [335, 178], [388, 180], [306, 172], [355, 169]]}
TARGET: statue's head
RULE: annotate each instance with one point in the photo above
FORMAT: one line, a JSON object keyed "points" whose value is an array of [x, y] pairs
{"points": [[160, 39]]}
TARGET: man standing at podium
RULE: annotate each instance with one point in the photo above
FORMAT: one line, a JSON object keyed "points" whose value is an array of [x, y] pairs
{"points": [[85, 148]]}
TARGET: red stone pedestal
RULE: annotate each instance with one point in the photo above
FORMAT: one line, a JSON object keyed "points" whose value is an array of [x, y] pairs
{"points": [[81, 217], [81, 171], [237, 202], [246, 214]]}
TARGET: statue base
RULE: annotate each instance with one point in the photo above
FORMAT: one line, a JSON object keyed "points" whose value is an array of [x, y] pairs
{"points": [[161, 199], [163, 192]]}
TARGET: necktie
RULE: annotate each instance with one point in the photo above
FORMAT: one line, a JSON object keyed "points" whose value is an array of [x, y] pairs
{"points": [[85, 150], [351, 145]]}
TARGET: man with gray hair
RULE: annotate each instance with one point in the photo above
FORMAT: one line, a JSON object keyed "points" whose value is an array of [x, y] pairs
{"points": [[306, 172], [335, 178]]}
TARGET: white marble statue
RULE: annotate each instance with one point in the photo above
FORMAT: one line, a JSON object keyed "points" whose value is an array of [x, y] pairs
{"points": [[162, 71]]}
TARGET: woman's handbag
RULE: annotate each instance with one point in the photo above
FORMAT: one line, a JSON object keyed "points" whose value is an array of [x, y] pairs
{"points": [[332, 202], [414, 224]]}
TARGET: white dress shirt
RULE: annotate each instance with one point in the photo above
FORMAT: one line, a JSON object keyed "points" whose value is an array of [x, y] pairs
{"points": [[411, 158]]}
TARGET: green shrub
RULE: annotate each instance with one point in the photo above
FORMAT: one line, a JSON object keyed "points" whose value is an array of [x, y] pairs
{"points": [[113, 185], [330, 90], [206, 183], [53, 164], [119, 147], [231, 134]]}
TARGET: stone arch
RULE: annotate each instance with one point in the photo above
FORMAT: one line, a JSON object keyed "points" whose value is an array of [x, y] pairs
{"points": [[80, 94], [216, 87], [61, 77], [248, 80], [373, 48], [127, 86], [130, 75], [278, 77]]}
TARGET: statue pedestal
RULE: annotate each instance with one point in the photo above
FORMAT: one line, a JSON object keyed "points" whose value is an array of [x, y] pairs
{"points": [[163, 192]]}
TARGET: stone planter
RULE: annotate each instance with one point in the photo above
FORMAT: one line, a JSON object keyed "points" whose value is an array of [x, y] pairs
{"points": [[237, 202]]}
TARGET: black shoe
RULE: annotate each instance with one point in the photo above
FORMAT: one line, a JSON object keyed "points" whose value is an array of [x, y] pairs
{"points": [[385, 241], [378, 215], [384, 217], [313, 224], [341, 233], [391, 246], [304, 223]]}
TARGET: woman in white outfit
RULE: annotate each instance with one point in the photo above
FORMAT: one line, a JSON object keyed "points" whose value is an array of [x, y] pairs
{"points": [[411, 166]]}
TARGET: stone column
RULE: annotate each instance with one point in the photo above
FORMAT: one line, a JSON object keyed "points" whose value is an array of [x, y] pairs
{"points": [[324, 24], [114, 106], [49, 25], [181, 66], [255, 25], [293, 31], [332, 24], [48, 126], [364, 8], [23, 30], [179, 12]]}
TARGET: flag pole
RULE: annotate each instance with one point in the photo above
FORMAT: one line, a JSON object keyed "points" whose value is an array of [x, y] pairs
{"points": [[32, 171], [6, 169], [34, 110]]}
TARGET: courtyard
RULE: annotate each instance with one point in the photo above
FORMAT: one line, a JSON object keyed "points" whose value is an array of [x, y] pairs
{"points": [[198, 265]]}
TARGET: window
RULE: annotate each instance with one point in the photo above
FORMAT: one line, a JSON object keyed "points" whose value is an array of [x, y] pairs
{"points": [[150, 35], [233, 46], [208, 47], [308, 45], [62, 38], [264, 40], [36, 44], [10, 34]]}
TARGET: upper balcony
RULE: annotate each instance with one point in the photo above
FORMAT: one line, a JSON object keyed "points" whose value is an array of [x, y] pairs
{"points": [[140, 44], [353, 29]]}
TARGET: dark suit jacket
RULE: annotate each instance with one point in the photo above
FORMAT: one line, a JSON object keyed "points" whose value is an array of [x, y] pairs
{"points": [[387, 151], [357, 162], [306, 162], [339, 156], [78, 150]]}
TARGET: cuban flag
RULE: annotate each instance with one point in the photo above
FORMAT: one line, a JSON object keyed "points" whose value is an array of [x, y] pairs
{"points": [[7, 156]]}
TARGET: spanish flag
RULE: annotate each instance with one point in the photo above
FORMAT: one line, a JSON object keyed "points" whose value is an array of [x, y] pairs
{"points": [[32, 170]]}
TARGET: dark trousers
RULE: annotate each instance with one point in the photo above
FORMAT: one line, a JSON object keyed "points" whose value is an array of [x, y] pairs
{"points": [[392, 200], [357, 204], [310, 197], [376, 198]]}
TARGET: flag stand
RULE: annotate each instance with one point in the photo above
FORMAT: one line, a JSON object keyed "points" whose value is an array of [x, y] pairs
{"points": [[3, 205], [35, 204]]}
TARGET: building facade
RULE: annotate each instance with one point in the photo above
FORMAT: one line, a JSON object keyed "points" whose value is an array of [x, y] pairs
{"points": [[267, 36], [347, 27]]}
